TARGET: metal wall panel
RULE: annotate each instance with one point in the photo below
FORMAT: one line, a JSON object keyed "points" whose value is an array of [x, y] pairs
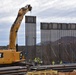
{"points": [[58, 26], [69, 26], [45, 35], [64, 26], [50, 26], [30, 29], [44, 26], [73, 26], [55, 31], [54, 35], [30, 19], [54, 25], [60, 41]]}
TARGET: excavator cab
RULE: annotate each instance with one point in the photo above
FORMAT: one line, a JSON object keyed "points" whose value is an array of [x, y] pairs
{"points": [[10, 57]]}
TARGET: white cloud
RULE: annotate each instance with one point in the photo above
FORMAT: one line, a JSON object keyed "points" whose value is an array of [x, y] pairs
{"points": [[46, 11], [59, 20], [8, 19]]}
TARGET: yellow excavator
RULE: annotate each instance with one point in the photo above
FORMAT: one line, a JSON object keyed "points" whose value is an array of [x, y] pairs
{"points": [[11, 55]]}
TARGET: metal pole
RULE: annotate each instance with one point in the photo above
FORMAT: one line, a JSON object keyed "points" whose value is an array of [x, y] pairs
{"points": [[26, 48], [35, 47]]}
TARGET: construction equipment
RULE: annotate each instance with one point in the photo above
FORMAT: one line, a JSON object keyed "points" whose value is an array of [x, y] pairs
{"points": [[12, 55], [14, 70]]}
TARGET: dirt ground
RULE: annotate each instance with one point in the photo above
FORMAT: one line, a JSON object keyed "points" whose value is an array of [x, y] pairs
{"points": [[52, 73], [67, 73]]}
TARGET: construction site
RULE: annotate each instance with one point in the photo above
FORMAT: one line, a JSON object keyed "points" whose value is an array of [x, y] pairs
{"points": [[54, 55]]}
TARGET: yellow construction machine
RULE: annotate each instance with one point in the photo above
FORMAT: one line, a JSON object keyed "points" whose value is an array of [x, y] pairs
{"points": [[11, 55]]}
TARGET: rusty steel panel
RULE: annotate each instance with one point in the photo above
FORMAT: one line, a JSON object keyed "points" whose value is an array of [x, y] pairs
{"points": [[30, 19]]}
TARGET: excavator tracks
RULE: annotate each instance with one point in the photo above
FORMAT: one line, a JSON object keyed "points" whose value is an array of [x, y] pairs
{"points": [[38, 70], [13, 70]]}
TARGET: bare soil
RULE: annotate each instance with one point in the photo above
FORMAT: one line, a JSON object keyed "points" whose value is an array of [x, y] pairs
{"points": [[67, 73]]}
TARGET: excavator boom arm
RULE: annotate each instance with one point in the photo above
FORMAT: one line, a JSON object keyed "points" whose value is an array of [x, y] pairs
{"points": [[16, 25]]}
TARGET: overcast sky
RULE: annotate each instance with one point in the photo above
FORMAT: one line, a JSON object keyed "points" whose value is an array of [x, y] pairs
{"points": [[45, 10]]}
